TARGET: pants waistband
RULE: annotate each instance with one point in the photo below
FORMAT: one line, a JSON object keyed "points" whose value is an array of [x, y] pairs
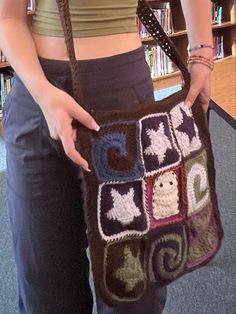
{"points": [[62, 67]]}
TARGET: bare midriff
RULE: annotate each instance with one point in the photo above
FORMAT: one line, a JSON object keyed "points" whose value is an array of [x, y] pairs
{"points": [[86, 48]]}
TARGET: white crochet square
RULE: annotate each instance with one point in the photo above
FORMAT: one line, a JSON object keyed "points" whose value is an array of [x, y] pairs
{"points": [[121, 210], [185, 129], [158, 147]]}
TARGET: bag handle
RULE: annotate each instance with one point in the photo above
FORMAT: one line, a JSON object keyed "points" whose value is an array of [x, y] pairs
{"points": [[150, 22]]}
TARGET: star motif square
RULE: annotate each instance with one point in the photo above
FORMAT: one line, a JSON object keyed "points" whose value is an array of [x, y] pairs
{"points": [[121, 211], [115, 152], [197, 185], [185, 129], [159, 150], [164, 198], [125, 269], [203, 237]]}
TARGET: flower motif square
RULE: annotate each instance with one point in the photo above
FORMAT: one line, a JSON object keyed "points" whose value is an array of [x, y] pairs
{"points": [[185, 129], [203, 237], [197, 185], [164, 198], [115, 152], [159, 150], [121, 211], [125, 269]]}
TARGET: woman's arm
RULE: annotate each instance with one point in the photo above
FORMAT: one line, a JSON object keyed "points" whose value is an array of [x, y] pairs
{"points": [[198, 17], [18, 46], [58, 107]]}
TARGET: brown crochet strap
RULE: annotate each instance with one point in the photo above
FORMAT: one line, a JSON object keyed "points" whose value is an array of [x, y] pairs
{"points": [[154, 28], [148, 19], [63, 7]]}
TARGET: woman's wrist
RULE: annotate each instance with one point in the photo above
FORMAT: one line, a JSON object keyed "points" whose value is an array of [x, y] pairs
{"points": [[41, 91], [205, 52]]}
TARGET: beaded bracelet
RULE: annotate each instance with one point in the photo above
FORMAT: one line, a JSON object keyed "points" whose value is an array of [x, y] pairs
{"points": [[211, 67], [197, 47], [199, 59]]}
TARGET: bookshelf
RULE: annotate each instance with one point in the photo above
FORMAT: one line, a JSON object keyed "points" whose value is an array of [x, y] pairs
{"points": [[223, 77]]}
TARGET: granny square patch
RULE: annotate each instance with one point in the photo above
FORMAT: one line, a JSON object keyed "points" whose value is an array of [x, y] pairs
{"points": [[164, 198], [159, 151], [124, 269], [203, 237], [168, 254], [115, 152], [185, 129], [198, 192], [120, 210]]}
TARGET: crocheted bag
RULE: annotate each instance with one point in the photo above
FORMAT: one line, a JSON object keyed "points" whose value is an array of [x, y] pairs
{"points": [[150, 201]]}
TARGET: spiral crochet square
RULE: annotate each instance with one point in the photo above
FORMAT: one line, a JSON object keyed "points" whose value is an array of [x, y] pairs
{"points": [[115, 152], [203, 237], [168, 254], [197, 184]]}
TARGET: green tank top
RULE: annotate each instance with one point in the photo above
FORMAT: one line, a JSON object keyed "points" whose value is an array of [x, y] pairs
{"points": [[89, 17]]}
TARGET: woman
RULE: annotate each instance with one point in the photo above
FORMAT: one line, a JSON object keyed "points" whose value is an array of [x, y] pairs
{"points": [[44, 190]]}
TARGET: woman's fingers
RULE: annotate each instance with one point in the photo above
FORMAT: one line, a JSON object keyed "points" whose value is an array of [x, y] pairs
{"points": [[192, 94], [83, 117], [68, 142], [200, 84], [205, 96]]}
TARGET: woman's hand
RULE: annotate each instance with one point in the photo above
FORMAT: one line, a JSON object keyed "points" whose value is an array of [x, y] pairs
{"points": [[200, 85], [59, 109]]}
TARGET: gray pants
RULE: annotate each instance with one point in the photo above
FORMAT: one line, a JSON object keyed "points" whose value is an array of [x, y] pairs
{"points": [[44, 189]]}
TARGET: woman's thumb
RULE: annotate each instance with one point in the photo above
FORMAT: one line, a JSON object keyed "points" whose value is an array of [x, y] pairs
{"points": [[192, 95]]}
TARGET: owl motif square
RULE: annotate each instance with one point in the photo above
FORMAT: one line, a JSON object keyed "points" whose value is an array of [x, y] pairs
{"points": [[197, 185], [115, 152], [121, 211], [125, 269], [159, 150], [164, 198], [185, 129]]}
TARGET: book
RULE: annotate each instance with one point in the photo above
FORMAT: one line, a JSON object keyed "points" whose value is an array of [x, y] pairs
{"points": [[164, 17], [159, 63], [218, 52], [6, 81], [217, 13]]}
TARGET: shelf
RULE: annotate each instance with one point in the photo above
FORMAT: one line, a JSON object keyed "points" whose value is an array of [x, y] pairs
{"points": [[223, 96], [177, 73], [225, 24], [166, 76], [184, 32], [4, 65]]}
